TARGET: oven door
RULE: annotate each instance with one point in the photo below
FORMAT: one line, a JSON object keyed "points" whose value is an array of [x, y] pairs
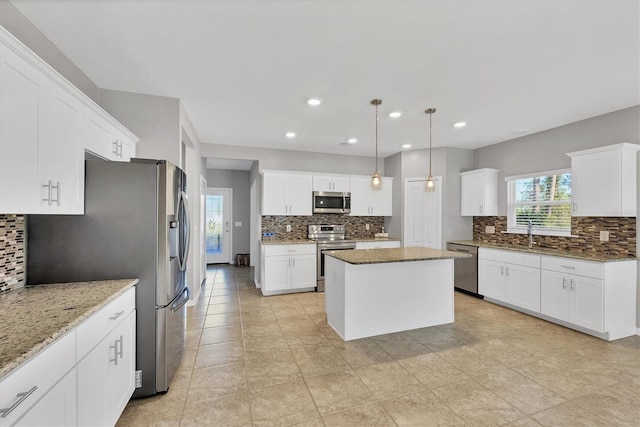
{"points": [[321, 250]]}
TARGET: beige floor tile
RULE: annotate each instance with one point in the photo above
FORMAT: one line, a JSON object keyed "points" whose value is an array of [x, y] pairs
{"points": [[519, 391], [363, 352], [593, 371], [188, 359], [296, 323], [271, 367], [216, 381], [627, 389], [159, 410], [433, 371], [221, 334], [338, 391], [471, 361], [388, 380], [195, 322], [197, 310], [421, 409], [568, 414], [316, 422], [400, 345], [371, 416], [556, 379], [282, 404], [222, 319], [223, 299], [524, 422], [265, 342], [476, 404], [617, 410], [219, 354], [192, 337], [230, 410], [306, 337], [223, 308], [507, 351], [319, 360], [260, 330]]}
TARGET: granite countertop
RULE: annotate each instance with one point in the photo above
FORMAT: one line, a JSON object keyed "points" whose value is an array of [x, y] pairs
{"points": [[35, 316], [287, 242], [347, 239], [586, 256], [390, 255], [371, 239]]}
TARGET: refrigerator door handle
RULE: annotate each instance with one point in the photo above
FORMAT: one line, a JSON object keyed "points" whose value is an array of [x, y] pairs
{"points": [[183, 208], [182, 299]]}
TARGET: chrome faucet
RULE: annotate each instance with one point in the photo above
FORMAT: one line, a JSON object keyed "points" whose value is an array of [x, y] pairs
{"points": [[530, 233]]}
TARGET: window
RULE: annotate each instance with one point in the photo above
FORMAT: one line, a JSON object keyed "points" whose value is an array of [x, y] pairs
{"points": [[544, 199]]}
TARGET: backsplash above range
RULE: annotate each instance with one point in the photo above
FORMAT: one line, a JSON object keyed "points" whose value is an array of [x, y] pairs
{"points": [[355, 226], [12, 252], [622, 235]]}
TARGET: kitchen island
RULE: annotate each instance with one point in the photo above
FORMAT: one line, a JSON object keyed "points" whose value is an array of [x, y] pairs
{"points": [[372, 292]]}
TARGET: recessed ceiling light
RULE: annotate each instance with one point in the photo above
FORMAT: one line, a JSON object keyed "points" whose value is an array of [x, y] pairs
{"points": [[314, 101], [459, 124], [290, 134], [395, 114], [352, 140], [406, 145]]}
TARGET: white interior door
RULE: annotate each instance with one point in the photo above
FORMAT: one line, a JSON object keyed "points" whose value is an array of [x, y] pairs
{"points": [[203, 230], [422, 214], [218, 225]]}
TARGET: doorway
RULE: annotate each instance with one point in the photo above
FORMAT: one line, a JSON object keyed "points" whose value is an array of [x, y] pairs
{"points": [[218, 225], [422, 213]]}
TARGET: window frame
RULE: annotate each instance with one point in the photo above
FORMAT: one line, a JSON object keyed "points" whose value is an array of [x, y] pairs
{"points": [[511, 205]]}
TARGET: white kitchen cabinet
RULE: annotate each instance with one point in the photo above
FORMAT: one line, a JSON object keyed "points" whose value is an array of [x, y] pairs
{"points": [[368, 202], [41, 125], [286, 193], [288, 268], [378, 244], [591, 296], [32, 387], [105, 140], [510, 277], [331, 183], [603, 181], [479, 192]]}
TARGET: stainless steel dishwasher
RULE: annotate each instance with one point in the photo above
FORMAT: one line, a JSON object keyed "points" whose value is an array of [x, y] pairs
{"points": [[465, 273]]}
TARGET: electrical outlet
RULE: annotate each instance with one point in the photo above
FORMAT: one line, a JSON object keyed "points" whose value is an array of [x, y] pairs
{"points": [[288, 228], [367, 227], [490, 229], [604, 236]]}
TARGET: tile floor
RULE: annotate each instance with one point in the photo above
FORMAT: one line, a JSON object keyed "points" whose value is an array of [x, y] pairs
{"points": [[262, 361]]}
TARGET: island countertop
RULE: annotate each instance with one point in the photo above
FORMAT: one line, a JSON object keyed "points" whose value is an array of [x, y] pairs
{"points": [[35, 316], [389, 255]]}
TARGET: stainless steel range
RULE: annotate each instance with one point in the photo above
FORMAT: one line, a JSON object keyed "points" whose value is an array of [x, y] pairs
{"points": [[329, 238]]}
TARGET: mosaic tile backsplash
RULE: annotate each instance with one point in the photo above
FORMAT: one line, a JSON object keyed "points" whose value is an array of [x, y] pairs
{"points": [[622, 235], [12, 252], [354, 225]]}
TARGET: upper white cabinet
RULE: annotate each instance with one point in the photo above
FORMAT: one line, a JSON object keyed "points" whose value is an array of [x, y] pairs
{"points": [[45, 126], [368, 202], [479, 192], [603, 181], [331, 183], [286, 193]]}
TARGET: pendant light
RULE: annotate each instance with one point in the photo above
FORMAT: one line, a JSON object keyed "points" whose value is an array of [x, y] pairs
{"points": [[376, 178], [431, 184]]}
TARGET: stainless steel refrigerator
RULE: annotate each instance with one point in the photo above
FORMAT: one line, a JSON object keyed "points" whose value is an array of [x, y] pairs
{"points": [[136, 225]]}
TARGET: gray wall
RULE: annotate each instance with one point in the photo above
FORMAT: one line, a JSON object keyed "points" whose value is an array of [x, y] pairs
{"points": [[447, 163], [16, 23], [239, 182], [154, 119], [546, 150]]}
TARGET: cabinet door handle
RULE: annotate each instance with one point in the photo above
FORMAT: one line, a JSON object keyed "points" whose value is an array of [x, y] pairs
{"points": [[22, 397], [480, 208], [568, 266], [502, 270], [507, 271], [294, 263], [48, 187], [57, 188], [120, 149], [573, 285], [115, 316], [114, 150], [564, 283], [116, 352], [121, 352]]}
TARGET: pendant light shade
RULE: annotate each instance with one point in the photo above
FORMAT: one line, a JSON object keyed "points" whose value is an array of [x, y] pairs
{"points": [[376, 178], [431, 184]]}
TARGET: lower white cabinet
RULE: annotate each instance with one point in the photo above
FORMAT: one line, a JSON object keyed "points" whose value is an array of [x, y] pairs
{"points": [[378, 244], [510, 277], [286, 268], [84, 378]]}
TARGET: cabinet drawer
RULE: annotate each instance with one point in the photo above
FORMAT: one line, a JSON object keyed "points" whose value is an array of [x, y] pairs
{"points": [[95, 328], [301, 249], [509, 257], [36, 377], [573, 266]]}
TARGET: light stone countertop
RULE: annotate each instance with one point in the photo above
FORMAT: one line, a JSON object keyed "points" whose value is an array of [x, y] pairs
{"points": [[586, 256], [35, 316], [391, 255], [288, 242], [347, 239]]}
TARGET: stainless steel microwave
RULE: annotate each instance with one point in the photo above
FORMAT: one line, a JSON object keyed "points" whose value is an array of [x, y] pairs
{"points": [[331, 202]]}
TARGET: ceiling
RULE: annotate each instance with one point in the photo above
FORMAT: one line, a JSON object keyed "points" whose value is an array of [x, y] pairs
{"points": [[244, 69]]}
